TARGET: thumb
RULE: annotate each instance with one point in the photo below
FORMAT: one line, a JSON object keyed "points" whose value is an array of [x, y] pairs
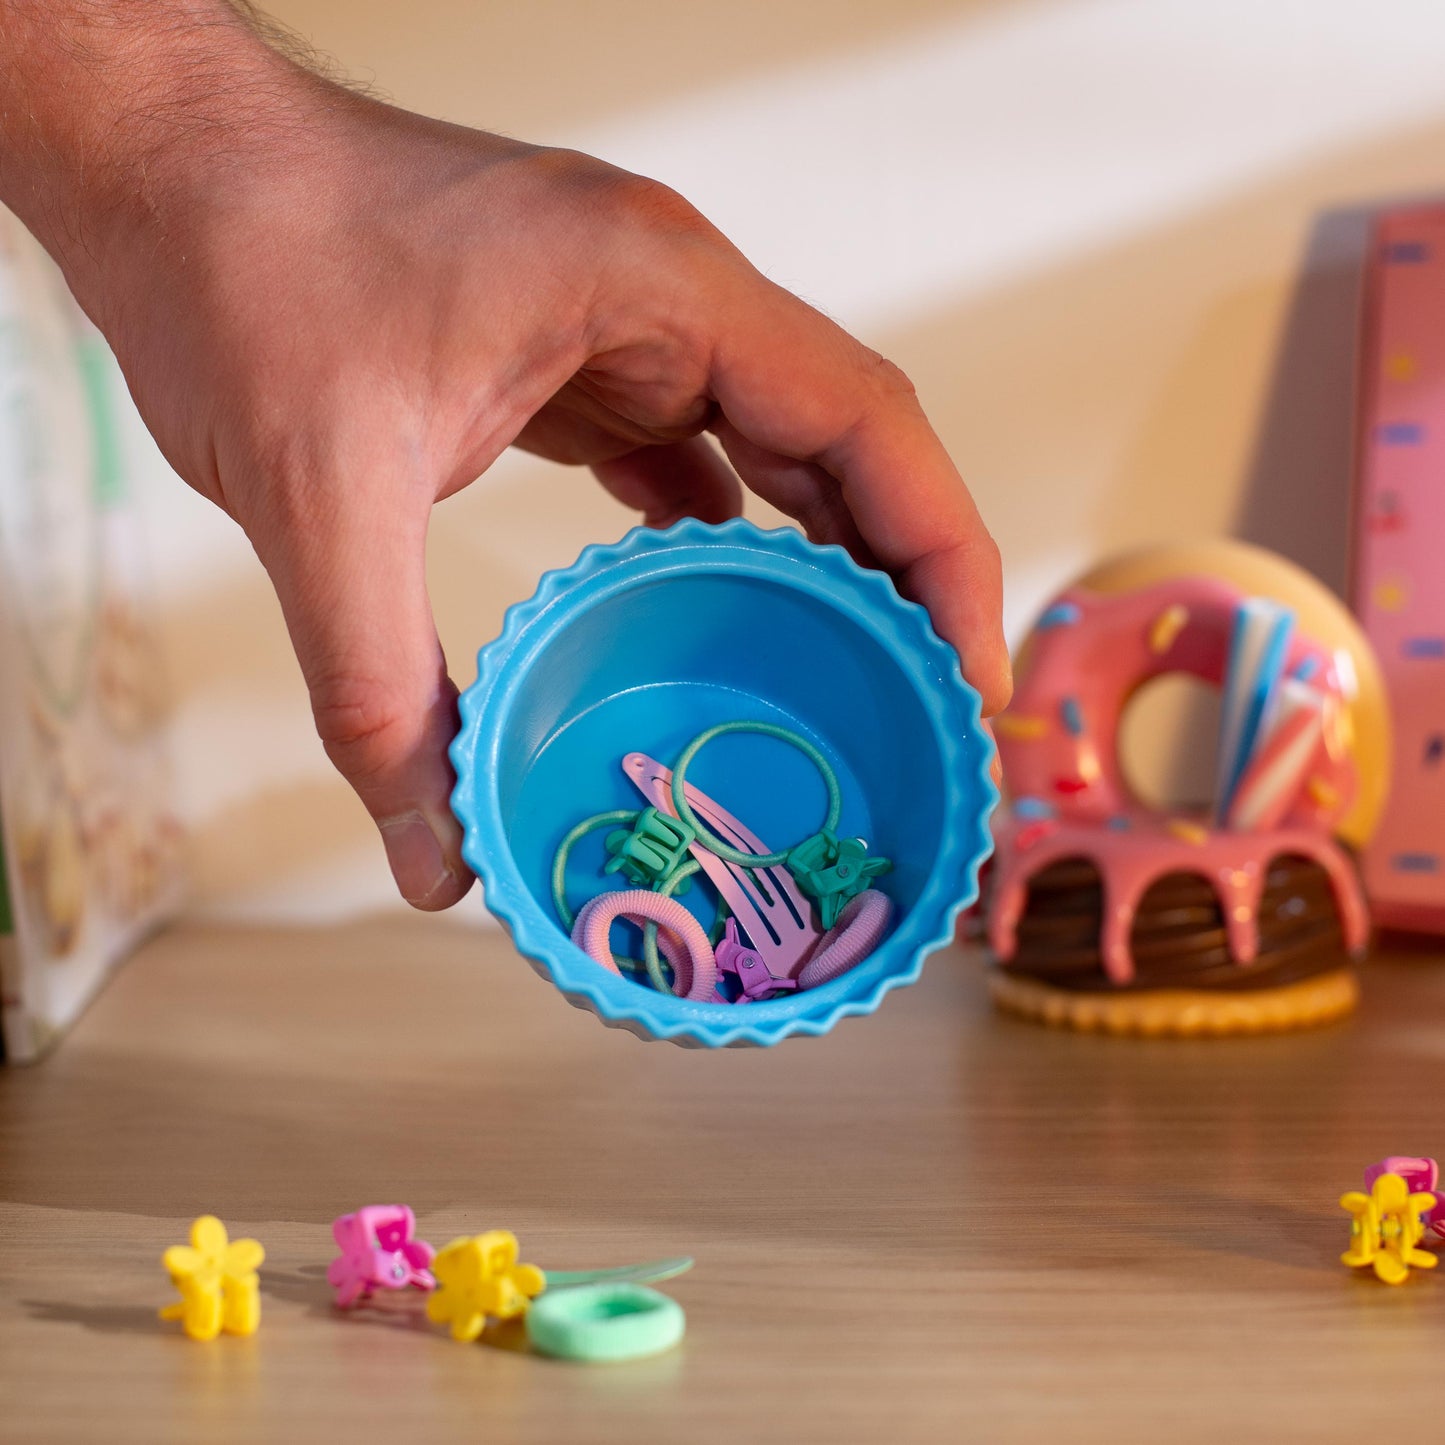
{"points": [[352, 585]]}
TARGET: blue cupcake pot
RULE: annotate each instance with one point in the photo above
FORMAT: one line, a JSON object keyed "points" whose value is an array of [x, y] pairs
{"points": [[641, 645]]}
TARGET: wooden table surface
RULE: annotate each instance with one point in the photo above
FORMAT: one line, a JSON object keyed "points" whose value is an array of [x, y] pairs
{"points": [[935, 1225]]}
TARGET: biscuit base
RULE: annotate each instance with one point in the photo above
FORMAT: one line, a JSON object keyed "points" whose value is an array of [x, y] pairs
{"points": [[1179, 1013]]}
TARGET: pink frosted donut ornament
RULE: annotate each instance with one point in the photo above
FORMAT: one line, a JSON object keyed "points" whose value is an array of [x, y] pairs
{"points": [[1107, 914]]}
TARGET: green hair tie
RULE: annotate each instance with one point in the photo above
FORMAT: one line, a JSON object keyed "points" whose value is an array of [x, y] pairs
{"points": [[564, 852], [604, 1322], [715, 844], [650, 956]]}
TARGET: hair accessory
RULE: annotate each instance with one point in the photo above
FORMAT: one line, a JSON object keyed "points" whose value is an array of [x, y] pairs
{"points": [[651, 1273], [766, 901], [859, 930], [690, 954], [564, 851], [1421, 1176], [601, 1322], [378, 1251], [620, 962], [726, 851], [677, 882], [480, 1277], [651, 851], [1386, 1227], [661, 969], [831, 871], [217, 1280], [638, 645], [748, 967]]}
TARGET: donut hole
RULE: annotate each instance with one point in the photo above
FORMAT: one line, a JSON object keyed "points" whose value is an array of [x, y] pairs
{"points": [[614, 1306], [1169, 743]]}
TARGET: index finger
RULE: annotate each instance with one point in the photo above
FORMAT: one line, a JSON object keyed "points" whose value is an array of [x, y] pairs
{"points": [[834, 434]]}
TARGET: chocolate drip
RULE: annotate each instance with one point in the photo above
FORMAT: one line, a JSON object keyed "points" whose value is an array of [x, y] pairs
{"points": [[1178, 938]]}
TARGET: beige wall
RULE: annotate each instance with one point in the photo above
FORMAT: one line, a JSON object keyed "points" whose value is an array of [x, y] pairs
{"points": [[1114, 242]]}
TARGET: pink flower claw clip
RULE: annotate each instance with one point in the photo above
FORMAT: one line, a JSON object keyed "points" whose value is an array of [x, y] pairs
{"points": [[378, 1251], [1422, 1176], [749, 968]]}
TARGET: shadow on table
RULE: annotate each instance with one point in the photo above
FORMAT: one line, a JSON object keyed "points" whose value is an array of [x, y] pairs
{"points": [[102, 1319], [403, 1310], [307, 1286], [1247, 1229]]}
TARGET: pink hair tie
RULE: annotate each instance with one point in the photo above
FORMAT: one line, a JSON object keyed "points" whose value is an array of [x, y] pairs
{"points": [[669, 945], [858, 931], [680, 937]]}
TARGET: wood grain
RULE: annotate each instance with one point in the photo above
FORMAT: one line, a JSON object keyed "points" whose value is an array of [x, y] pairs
{"points": [[936, 1224]]}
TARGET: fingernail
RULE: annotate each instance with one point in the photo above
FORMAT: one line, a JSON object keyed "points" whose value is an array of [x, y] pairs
{"points": [[417, 861]]}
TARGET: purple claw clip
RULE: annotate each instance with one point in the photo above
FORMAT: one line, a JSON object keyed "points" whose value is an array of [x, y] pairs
{"points": [[734, 957], [378, 1252]]}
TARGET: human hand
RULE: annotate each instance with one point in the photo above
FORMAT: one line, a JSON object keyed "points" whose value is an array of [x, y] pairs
{"points": [[332, 314]]}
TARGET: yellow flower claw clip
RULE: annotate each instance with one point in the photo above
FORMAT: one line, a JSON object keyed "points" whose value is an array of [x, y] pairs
{"points": [[1386, 1227], [217, 1280], [480, 1277]]}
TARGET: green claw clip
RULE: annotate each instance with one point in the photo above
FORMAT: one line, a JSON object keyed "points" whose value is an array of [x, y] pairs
{"points": [[830, 871], [651, 851]]}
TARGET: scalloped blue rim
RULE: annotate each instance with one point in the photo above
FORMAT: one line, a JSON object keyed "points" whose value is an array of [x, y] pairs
{"points": [[828, 573]]}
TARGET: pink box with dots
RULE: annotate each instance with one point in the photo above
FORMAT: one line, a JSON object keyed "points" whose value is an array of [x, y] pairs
{"points": [[1399, 552]]}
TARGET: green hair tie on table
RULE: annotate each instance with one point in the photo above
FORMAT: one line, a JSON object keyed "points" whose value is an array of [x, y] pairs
{"points": [[600, 1322]]}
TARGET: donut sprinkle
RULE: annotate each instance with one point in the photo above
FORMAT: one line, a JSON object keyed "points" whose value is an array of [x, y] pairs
{"points": [[1166, 627]]}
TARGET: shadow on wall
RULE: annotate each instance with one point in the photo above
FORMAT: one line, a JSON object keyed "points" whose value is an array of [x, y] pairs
{"points": [[1297, 488], [1299, 495], [1296, 500]]}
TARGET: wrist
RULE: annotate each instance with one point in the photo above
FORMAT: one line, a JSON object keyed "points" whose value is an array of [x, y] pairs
{"points": [[110, 110]]}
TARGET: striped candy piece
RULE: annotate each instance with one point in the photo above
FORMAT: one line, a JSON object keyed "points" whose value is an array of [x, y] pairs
{"points": [[1251, 687], [1280, 767]]}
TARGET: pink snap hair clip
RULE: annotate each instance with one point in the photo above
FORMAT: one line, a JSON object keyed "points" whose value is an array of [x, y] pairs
{"points": [[748, 967], [680, 937], [859, 930], [378, 1252], [1421, 1176]]}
